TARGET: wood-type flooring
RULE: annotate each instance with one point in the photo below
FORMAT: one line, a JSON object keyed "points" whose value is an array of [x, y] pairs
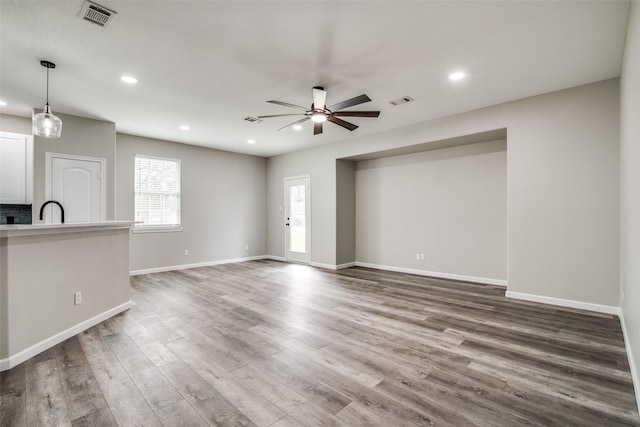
{"points": [[265, 343]]}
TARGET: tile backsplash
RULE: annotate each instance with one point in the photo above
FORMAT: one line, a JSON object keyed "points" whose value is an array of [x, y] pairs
{"points": [[19, 214]]}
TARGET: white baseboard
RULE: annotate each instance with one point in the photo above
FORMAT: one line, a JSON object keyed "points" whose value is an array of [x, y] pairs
{"points": [[632, 362], [322, 265], [345, 265], [332, 266], [608, 309], [484, 280], [195, 265], [26, 354]]}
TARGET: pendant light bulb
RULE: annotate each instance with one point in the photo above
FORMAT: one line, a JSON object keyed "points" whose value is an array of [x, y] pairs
{"points": [[46, 124]]}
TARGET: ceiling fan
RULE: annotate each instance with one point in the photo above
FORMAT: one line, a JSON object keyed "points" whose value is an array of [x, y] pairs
{"points": [[320, 113]]}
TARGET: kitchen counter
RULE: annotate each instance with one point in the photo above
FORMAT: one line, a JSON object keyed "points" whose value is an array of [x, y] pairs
{"points": [[17, 230]]}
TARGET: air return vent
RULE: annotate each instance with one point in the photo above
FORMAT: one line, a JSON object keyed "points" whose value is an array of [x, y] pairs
{"points": [[96, 14], [402, 100]]}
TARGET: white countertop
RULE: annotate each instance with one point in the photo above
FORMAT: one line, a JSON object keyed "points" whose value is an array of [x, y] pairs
{"points": [[18, 230]]}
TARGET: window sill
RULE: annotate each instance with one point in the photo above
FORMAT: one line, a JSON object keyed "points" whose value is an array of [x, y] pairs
{"points": [[158, 229]]}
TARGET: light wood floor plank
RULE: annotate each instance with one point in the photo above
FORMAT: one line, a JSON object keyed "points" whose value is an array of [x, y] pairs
{"points": [[127, 404], [256, 407], [46, 404], [208, 403], [102, 418], [13, 394], [303, 411], [180, 414]]}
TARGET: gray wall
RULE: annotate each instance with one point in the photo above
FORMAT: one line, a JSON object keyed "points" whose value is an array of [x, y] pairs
{"points": [[345, 212], [15, 124], [223, 202], [630, 191], [448, 204], [80, 137], [563, 194], [563, 172], [321, 166]]}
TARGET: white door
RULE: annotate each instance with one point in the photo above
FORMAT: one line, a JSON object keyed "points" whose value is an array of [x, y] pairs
{"points": [[78, 184], [298, 219]]}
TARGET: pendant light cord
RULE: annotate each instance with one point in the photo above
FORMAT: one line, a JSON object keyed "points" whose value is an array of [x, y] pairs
{"points": [[47, 65], [47, 85]]}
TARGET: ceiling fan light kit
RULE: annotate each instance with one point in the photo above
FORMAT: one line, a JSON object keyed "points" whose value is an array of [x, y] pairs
{"points": [[320, 113], [46, 124], [318, 117]]}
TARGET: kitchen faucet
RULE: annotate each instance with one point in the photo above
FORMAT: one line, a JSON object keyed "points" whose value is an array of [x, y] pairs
{"points": [[57, 203]]}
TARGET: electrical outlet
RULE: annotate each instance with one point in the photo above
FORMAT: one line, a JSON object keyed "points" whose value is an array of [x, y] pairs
{"points": [[246, 247], [77, 298], [623, 292], [186, 252]]}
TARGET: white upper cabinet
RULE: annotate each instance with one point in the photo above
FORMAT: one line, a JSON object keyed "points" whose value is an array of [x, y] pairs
{"points": [[16, 168]]}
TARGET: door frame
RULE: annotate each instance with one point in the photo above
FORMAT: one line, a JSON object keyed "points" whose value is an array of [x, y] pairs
{"points": [[48, 181], [307, 217]]}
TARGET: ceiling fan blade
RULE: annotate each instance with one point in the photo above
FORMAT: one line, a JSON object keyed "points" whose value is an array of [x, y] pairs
{"points": [[342, 123], [317, 128], [294, 123], [319, 98], [286, 104], [280, 115], [357, 113], [350, 102]]}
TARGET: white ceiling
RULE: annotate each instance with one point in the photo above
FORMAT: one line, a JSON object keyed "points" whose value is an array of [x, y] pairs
{"points": [[209, 64]]}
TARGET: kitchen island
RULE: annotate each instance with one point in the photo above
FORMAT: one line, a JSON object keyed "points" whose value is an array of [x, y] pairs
{"points": [[42, 270]]}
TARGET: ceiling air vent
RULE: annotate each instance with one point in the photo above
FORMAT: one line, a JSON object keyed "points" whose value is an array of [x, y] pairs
{"points": [[252, 119], [96, 14], [402, 100]]}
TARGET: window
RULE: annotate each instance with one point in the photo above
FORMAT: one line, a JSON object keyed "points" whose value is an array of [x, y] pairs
{"points": [[157, 194]]}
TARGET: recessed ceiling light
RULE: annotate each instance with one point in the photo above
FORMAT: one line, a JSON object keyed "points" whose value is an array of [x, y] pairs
{"points": [[129, 79], [297, 127], [457, 75], [185, 127], [251, 141], [3, 104]]}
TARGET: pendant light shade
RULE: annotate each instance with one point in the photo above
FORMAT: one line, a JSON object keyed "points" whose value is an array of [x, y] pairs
{"points": [[46, 124]]}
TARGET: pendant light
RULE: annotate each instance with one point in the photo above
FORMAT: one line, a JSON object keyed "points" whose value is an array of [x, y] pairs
{"points": [[46, 124]]}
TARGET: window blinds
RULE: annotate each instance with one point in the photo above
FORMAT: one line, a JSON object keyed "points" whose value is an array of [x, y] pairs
{"points": [[157, 191]]}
